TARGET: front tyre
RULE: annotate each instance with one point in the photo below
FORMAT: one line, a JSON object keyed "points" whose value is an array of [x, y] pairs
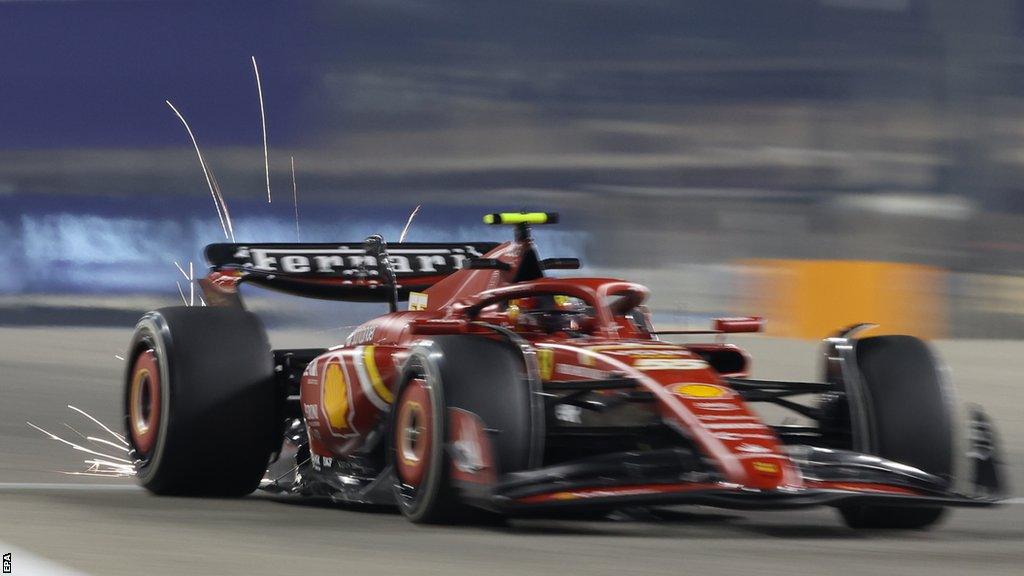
{"points": [[200, 407], [910, 411], [418, 431], [474, 374]]}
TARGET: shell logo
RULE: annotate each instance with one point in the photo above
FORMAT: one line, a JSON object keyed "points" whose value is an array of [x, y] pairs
{"points": [[337, 398], [697, 390]]}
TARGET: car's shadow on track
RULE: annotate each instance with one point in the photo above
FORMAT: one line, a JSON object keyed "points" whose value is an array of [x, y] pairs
{"points": [[695, 523], [638, 522], [700, 523], [703, 523], [739, 522], [325, 502]]}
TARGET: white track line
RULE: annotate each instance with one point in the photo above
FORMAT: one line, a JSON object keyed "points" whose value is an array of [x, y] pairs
{"points": [[50, 486], [24, 563]]}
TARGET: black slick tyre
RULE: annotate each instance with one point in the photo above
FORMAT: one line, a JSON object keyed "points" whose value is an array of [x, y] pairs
{"points": [[482, 376], [910, 412], [201, 409]]}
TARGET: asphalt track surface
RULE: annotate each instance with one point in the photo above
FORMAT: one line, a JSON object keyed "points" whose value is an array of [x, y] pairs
{"points": [[54, 523]]}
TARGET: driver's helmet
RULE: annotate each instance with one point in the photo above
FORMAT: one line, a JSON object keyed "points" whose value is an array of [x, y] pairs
{"points": [[553, 313]]}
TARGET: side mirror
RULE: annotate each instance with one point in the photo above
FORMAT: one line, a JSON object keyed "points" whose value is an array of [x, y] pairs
{"points": [[739, 324], [560, 264], [488, 264]]}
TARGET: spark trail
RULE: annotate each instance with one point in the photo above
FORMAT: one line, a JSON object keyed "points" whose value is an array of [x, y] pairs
{"points": [[295, 199], [263, 123], [408, 222], [101, 464], [218, 199]]}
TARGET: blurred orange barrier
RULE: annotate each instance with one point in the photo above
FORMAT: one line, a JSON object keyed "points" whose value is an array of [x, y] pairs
{"points": [[814, 298]]}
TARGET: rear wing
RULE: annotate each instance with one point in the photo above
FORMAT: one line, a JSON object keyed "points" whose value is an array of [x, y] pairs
{"points": [[336, 271]]}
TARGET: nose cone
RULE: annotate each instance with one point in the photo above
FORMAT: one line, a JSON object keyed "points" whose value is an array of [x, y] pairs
{"points": [[746, 450], [703, 408]]}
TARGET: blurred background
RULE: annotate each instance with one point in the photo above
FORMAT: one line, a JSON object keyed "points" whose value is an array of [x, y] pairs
{"points": [[818, 162], [784, 157]]}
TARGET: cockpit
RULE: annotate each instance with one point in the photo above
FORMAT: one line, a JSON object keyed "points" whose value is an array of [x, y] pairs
{"points": [[569, 308]]}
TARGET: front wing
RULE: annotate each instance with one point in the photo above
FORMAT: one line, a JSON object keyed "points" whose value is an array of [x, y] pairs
{"points": [[678, 476]]}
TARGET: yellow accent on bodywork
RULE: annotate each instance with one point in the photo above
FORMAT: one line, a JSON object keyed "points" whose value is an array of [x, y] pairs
{"points": [[546, 362], [767, 467], [375, 379]]}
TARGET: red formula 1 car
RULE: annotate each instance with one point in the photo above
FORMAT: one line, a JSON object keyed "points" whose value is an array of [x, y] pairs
{"points": [[504, 391]]}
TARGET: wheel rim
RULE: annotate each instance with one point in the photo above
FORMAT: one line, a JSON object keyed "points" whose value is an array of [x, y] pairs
{"points": [[413, 436], [144, 402]]}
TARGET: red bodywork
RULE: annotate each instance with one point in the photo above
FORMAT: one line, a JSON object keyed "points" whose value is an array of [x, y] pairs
{"points": [[347, 392]]}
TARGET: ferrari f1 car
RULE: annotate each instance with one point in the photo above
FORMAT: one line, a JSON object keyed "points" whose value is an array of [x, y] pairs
{"points": [[502, 390]]}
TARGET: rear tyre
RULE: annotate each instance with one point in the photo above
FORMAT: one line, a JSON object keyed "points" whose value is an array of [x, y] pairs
{"points": [[201, 410], [911, 418]]}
